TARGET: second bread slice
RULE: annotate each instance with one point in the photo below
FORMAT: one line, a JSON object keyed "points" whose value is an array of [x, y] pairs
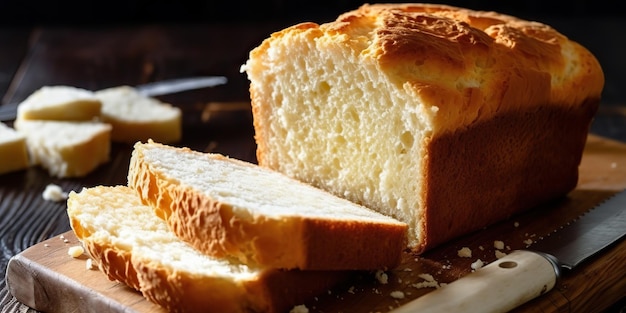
{"points": [[226, 207]]}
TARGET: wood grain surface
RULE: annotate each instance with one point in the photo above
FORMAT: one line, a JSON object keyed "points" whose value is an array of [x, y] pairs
{"points": [[46, 278]]}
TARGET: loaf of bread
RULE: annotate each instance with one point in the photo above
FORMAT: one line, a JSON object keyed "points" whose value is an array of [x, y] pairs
{"points": [[136, 117], [445, 118], [62, 103], [132, 245], [66, 149], [13, 152], [230, 208]]}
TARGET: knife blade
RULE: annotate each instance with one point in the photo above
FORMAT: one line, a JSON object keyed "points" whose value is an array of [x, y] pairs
{"points": [[171, 86], [8, 111], [526, 274]]}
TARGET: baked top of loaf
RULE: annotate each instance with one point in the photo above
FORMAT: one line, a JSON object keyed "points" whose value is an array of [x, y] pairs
{"points": [[132, 245], [466, 65], [229, 208], [60, 102]]}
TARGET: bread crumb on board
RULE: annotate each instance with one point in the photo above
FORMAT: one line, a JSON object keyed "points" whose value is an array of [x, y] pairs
{"points": [[498, 244], [397, 294], [429, 282], [500, 254], [54, 193], [299, 309], [65, 240], [382, 277], [465, 252], [477, 264], [89, 265], [75, 251]]}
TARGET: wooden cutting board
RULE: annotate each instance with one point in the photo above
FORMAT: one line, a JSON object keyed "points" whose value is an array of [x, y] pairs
{"points": [[46, 278]]}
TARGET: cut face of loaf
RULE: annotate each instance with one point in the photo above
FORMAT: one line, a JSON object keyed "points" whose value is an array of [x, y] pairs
{"points": [[132, 245], [444, 118], [230, 208]]}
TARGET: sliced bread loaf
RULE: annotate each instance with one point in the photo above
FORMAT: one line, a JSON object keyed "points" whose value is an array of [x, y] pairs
{"points": [[136, 117], [230, 208], [13, 152], [66, 149], [132, 245], [445, 118], [62, 103]]}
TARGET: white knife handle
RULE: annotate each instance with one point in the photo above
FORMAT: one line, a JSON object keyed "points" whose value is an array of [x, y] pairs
{"points": [[498, 287]]}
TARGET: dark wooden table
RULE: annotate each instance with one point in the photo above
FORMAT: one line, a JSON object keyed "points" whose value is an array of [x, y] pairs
{"points": [[97, 57]]}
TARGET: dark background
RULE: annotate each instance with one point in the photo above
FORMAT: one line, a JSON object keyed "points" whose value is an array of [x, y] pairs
{"points": [[136, 11]]}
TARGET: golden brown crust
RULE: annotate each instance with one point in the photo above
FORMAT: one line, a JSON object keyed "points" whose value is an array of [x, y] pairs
{"points": [[518, 64], [186, 289], [114, 263], [274, 291], [460, 199], [290, 242]]}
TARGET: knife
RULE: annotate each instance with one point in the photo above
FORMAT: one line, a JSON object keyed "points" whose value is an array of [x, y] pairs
{"points": [[8, 111], [525, 274]]}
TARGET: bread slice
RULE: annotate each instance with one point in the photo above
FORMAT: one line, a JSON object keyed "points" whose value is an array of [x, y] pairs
{"points": [[13, 152], [446, 118], [63, 103], [229, 208], [66, 149], [136, 117], [132, 245]]}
